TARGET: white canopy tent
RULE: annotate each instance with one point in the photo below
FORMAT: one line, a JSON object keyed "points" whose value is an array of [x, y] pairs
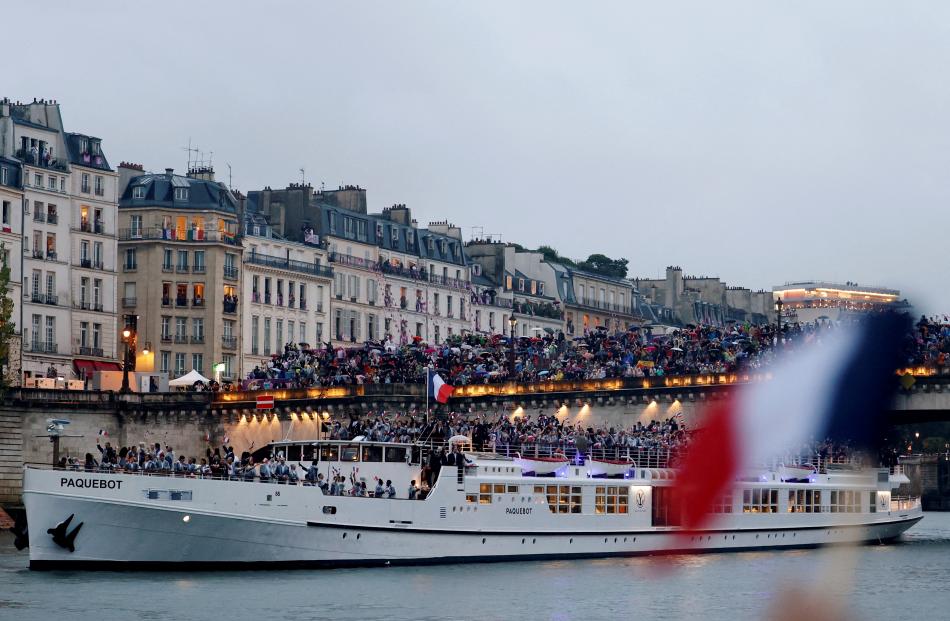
{"points": [[188, 380]]}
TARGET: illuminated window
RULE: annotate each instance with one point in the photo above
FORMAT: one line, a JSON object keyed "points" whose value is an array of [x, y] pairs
{"points": [[563, 498], [760, 501], [610, 499]]}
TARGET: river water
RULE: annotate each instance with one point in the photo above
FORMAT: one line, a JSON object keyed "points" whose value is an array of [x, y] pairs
{"points": [[906, 580]]}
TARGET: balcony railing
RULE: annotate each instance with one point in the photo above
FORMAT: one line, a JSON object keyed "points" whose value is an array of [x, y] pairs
{"points": [[100, 191], [178, 235], [95, 352], [197, 269], [130, 267], [166, 301], [88, 306], [231, 273], [229, 342], [129, 302], [50, 255], [91, 227], [291, 265], [181, 301], [45, 298], [37, 254], [266, 298], [181, 269], [39, 216], [44, 347], [36, 159], [229, 306], [52, 218], [303, 304], [198, 302], [181, 339], [198, 339], [166, 338], [167, 267], [86, 263]]}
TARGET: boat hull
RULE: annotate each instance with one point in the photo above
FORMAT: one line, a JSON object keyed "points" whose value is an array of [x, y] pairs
{"points": [[126, 535]]}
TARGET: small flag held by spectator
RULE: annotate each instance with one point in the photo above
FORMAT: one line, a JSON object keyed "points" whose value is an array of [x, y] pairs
{"points": [[103, 433]]}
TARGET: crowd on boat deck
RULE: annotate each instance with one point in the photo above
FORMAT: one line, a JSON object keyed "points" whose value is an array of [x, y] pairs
{"points": [[480, 359]]}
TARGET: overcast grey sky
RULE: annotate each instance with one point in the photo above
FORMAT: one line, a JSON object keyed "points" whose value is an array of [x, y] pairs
{"points": [[757, 141]]}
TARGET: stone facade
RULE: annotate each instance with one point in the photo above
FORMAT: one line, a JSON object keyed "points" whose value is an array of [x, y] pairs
{"points": [[181, 258], [287, 294], [705, 300], [68, 292], [391, 278]]}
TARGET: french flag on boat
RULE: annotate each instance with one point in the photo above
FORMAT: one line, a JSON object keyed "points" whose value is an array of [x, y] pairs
{"points": [[438, 389], [838, 387]]}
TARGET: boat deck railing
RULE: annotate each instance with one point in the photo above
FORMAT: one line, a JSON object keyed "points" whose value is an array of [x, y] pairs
{"points": [[904, 503]]}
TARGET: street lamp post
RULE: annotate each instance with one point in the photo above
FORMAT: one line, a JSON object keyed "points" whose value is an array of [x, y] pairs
{"points": [[778, 314], [126, 338], [511, 367]]}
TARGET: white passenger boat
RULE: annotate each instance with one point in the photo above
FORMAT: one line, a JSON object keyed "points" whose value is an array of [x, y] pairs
{"points": [[488, 509]]}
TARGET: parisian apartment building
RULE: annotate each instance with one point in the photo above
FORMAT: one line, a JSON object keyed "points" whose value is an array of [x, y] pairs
{"points": [[287, 287], [59, 202], [181, 258], [391, 278]]}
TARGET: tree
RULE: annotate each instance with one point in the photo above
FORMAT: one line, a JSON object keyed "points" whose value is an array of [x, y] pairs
{"points": [[7, 326], [551, 255], [605, 266]]}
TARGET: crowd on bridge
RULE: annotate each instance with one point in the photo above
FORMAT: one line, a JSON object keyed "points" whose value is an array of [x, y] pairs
{"points": [[481, 359], [929, 343]]}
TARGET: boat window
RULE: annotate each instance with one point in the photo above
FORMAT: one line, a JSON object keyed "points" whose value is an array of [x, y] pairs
{"points": [[310, 453], [396, 454], [329, 509], [295, 453], [499, 489], [471, 497], [512, 489], [844, 501], [564, 499], [538, 489], [417, 454], [330, 452], [872, 499], [610, 499], [760, 500], [484, 497], [666, 508], [349, 452], [723, 504], [372, 453]]}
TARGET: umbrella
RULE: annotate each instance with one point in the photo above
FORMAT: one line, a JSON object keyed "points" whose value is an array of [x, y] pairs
{"points": [[549, 330], [459, 439], [676, 349]]}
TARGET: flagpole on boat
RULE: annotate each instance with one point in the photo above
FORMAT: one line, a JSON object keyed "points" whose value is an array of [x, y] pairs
{"points": [[428, 367]]}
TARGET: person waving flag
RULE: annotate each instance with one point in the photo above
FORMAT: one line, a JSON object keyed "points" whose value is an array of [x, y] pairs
{"points": [[438, 389]]}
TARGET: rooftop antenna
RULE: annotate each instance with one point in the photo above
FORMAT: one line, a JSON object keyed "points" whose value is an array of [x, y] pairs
{"points": [[478, 232], [189, 150], [302, 176], [230, 187]]}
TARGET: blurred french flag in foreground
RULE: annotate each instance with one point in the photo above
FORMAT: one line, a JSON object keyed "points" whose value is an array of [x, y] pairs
{"points": [[839, 388]]}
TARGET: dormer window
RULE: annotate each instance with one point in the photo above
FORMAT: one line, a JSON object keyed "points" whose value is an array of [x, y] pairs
{"points": [[409, 238], [443, 247], [83, 145], [395, 235], [521, 284], [540, 288], [138, 191], [95, 147], [379, 231], [181, 194]]}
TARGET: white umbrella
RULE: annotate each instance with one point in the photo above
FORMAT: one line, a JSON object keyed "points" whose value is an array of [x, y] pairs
{"points": [[459, 439], [188, 379]]}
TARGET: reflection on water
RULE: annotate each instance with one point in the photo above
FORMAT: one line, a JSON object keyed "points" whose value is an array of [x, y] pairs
{"points": [[904, 580]]}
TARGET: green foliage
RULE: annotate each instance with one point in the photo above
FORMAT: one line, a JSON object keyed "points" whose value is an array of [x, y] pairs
{"points": [[550, 254], [7, 326], [605, 266]]}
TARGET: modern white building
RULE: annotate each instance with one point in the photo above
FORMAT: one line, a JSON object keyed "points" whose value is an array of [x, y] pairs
{"points": [[69, 244], [287, 289]]}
